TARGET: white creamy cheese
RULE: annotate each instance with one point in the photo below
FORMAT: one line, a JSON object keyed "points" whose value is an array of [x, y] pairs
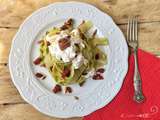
{"points": [[76, 38], [78, 61], [68, 54]]}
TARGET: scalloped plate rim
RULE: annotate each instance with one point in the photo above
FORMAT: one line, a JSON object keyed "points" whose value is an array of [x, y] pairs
{"points": [[19, 90]]}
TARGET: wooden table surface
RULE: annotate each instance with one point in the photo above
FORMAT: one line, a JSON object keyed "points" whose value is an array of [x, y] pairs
{"points": [[13, 13]]}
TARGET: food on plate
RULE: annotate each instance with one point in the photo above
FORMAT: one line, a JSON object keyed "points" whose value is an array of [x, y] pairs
{"points": [[97, 77], [40, 76], [100, 70], [68, 90], [37, 61], [57, 89], [71, 55]]}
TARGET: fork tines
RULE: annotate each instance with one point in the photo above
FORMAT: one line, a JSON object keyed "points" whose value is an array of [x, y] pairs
{"points": [[132, 31]]}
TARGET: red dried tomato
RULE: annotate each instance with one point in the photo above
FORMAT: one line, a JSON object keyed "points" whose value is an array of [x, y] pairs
{"points": [[37, 61], [68, 90], [66, 72], [48, 43], [64, 43], [57, 89], [97, 56], [100, 70], [97, 77], [40, 76]]}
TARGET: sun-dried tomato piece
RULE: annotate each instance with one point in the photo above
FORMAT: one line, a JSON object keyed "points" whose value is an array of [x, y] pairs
{"points": [[100, 70], [97, 56], [67, 24], [37, 61], [48, 43], [64, 27], [66, 72], [57, 89], [68, 90], [97, 77], [64, 43], [68, 37], [40, 76]]}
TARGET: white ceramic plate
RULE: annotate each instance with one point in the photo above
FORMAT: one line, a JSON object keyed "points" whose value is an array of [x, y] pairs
{"points": [[94, 94]]}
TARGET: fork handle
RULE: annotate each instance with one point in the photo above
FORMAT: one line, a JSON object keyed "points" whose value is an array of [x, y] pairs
{"points": [[138, 94]]}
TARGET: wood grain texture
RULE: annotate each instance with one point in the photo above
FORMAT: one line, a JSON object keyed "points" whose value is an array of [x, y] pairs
{"points": [[24, 112], [6, 36], [18, 10], [148, 37], [8, 92]]}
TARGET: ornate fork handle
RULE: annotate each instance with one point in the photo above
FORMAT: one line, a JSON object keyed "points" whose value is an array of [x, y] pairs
{"points": [[138, 95]]}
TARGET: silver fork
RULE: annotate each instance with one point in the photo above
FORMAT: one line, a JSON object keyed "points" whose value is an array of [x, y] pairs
{"points": [[132, 39]]}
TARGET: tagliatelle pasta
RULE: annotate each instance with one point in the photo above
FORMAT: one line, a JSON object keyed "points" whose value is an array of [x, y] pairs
{"points": [[86, 56]]}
